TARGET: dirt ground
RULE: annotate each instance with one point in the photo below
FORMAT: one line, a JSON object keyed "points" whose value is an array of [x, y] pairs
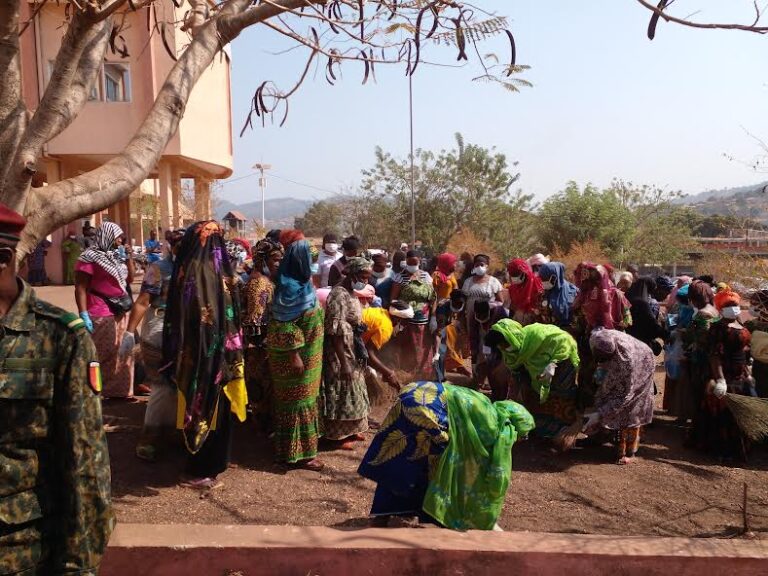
{"points": [[668, 491]]}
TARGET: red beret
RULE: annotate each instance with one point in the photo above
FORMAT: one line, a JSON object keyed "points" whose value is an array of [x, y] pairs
{"points": [[11, 224]]}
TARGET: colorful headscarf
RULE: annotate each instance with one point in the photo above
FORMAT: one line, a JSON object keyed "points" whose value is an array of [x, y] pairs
{"points": [[202, 342], [562, 295], [524, 297], [294, 293], [264, 250], [288, 237], [103, 253], [601, 302], [445, 265], [534, 347], [726, 297]]}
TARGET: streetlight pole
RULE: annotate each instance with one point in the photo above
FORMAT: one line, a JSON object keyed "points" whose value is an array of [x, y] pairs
{"points": [[263, 185], [413, 190]]}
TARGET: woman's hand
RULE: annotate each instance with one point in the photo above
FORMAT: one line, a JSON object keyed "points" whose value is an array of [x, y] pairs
{"points": [[346, 370], [297, 364], [391, 379]]}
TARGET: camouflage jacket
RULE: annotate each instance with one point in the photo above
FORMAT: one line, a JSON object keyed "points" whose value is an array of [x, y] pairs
{"points": [[55, 510]]}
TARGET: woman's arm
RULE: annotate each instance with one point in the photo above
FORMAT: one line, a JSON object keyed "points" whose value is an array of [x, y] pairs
{"points": [[338, 347], [82, 284], [138, 311], [131, 267], [375, 362]]}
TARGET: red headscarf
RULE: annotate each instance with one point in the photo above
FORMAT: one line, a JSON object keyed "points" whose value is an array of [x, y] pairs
{"points": [[726, 297], [445, 265], [602, 304], [288, 237], [525, 297]]}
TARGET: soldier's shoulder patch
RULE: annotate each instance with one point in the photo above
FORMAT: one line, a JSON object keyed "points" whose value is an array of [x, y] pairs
{"points": [[94, 377]]}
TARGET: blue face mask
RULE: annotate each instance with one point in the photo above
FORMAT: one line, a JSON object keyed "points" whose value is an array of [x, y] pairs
{"points": [[315, 268], [358, 285]]}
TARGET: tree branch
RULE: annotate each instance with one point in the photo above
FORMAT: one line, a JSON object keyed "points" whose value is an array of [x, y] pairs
{"points": [[710, 26], [75, 70], [13, 112]]}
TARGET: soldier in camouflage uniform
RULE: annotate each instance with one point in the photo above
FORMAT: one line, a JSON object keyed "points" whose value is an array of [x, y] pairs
{"points": [[55, 510]]}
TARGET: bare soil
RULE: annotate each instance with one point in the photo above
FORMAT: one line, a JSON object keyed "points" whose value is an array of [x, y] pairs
{"points": [[667, 491]]}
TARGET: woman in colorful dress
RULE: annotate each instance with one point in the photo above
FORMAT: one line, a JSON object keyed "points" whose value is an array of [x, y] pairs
{"points": [[203, 351], [99, 276], [624, 399], [257, 300], [543, 360], [696, 345], [416, 343], [444, 277], [714, 428], [481, 289], [295, 353], [559, 295], [444, 454], [525, 292], [344, 394]]}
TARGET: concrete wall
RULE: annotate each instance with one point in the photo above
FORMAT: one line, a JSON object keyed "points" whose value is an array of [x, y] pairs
{"points": [[185, 550]]}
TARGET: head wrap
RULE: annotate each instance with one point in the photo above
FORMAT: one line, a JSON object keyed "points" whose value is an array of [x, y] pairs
{"points": [[562, 295], [726, 297], [288, 237], [264, 250], [445, 265], [700, 291], [602, 304], [102, 253], [524, 297], [665, 283], [294, 293], [357, 264], [603, 341], [534, 347], [625, 276], [538, 260]]}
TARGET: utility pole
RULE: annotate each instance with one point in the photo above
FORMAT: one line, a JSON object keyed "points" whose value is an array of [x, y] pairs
{"points": [[263, 185], [413, 190]]}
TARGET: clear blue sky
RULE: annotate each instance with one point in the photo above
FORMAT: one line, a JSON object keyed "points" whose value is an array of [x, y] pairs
{"points": [[606, 103]]}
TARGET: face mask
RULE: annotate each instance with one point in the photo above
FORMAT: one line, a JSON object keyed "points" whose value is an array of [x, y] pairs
{"points": [[548, 284], [480, 270], [517, 279], [731, 312], [331, 248], [358, 285], [378, 274], [412, 268], [315, 268]]}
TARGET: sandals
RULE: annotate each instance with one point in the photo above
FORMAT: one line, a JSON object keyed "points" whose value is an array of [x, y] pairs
{"points": [[313, 465]]}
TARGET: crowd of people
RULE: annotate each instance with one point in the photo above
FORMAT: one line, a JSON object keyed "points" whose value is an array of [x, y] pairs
{"points": [[477, 355]]}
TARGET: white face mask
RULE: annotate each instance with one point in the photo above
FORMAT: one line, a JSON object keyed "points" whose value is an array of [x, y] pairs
{"points": [[548, 284], [517, 279], [358, 285], [378, 274], [731, 312], [331, 248], [412, 268], [480, 270]]}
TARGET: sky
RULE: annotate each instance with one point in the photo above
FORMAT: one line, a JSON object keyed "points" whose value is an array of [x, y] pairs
{"points": [[605, 103]]}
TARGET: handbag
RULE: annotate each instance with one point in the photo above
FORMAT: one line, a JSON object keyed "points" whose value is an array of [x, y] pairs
{"points": [[118, 305]]}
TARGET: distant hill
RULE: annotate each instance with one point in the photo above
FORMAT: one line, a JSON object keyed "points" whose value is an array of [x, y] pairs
{"points": [[742, 202], [278, 211]]}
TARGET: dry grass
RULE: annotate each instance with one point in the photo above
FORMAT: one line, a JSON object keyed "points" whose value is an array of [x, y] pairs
{"points": [[743, 271], [466, 241], [751, 415], [589, 251]]}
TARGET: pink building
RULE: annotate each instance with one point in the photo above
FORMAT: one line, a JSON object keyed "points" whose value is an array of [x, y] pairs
{"points": [[179, 188]]}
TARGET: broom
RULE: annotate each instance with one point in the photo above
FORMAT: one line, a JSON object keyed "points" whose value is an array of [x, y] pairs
{"points": [[751, 415], [566, 438]]}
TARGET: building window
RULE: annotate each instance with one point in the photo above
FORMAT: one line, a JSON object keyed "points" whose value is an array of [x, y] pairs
{"points": [[117, 82]]}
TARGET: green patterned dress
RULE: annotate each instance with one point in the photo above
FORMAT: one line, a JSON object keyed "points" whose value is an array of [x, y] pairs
{"points": [[295, 395]]}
